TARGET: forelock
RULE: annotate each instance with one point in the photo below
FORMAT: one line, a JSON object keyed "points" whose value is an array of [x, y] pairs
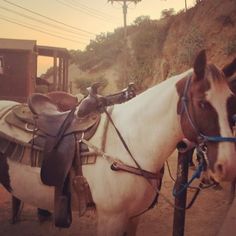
{"points": [[215, 73]]}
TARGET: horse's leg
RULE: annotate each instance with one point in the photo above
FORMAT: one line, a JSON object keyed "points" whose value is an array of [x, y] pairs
{"points": [[44, 215], [16, 205], [112, 225]]}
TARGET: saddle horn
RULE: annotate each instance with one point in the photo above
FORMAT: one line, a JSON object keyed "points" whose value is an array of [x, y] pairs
{"points": [[93, 89], [91, 102]]}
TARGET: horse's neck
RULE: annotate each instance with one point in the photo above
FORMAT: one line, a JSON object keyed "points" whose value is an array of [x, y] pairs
{"points": [[150, 124]]}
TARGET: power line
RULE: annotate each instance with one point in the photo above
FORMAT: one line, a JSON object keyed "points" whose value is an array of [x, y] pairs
{"points": [[46, 17], [56, 33], [71, 6], [16, 22], [95, 11], [43, 22]]}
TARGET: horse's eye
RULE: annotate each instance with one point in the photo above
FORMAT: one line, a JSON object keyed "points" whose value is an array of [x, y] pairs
{"points": [[203, 104]]}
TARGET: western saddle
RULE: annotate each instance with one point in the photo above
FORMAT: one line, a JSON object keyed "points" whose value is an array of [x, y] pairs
{"points": [[60, 120]]}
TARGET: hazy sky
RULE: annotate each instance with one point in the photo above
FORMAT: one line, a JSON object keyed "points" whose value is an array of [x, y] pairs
{"points": [[72, 23]]}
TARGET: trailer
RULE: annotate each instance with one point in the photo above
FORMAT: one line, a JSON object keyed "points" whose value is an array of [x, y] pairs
{"points": [[18, 68]]}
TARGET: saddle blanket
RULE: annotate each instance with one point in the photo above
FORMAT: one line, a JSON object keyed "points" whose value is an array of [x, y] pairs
{"points": [[11, 132]]}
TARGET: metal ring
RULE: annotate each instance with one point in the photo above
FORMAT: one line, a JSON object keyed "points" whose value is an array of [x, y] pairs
{"points": [[29, 129]]}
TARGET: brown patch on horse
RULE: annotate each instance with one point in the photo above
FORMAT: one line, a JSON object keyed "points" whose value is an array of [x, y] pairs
{"points": [[230, 69], [231, 110], [4, 173], [203, 115], [6, 150], [232, 85], [199, 108], [180, 85]]}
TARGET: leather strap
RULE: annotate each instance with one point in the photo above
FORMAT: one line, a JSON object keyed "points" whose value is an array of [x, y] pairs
{"points": [[116, 166], [122, 140]]}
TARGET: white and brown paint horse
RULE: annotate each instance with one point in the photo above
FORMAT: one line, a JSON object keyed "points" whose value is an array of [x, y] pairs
{"points": [[197, 103]]}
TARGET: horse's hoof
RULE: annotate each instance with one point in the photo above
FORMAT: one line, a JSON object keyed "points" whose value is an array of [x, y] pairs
{"points": [[44, 215]]}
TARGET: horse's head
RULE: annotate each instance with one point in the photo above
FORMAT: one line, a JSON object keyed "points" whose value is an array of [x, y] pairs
{"points": [[206, 107]]}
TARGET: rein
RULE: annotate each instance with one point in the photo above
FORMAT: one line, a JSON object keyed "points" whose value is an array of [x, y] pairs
{"points": [[196, 175], [202, 138]]}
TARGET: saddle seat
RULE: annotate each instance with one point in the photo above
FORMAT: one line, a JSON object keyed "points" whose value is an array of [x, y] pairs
{"points": [[52, 103], [41, 104], [47, 113]]}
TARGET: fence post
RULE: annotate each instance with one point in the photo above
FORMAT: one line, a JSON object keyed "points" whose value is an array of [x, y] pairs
{"points": [[185, 151]]}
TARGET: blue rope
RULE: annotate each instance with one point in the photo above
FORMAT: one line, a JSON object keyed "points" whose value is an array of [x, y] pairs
{"points": [[196, 175], [218, 138]]}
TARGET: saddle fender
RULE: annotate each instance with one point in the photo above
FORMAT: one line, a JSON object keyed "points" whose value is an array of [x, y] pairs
{"points": [[57, 162]]}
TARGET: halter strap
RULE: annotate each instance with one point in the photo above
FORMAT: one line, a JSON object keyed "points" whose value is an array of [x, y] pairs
{"points": [[202, 138]]}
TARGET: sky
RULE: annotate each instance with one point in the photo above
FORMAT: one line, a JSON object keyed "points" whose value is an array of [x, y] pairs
{"points": [[73, 23]]}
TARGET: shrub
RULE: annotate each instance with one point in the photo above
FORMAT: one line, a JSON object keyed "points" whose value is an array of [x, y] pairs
{"points": [[167, 13], [102, 50], [147, 44], [191, 44], [142, 20]]}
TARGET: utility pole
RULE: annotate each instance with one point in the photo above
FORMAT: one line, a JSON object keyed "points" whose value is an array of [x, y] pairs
{"points": [[125, 9]]}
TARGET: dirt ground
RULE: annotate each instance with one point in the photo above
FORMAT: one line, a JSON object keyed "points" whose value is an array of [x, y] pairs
{"points": [[203, 219]]}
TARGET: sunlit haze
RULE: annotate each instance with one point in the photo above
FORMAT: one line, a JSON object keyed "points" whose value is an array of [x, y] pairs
{"points": [[73, 23]]}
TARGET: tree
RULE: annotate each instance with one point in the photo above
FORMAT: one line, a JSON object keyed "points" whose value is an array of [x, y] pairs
{"points": [[141, 19], [167, 13]]}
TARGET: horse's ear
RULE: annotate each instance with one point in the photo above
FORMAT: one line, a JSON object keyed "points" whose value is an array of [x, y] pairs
{"points": [[200, 65], [230, 69]]}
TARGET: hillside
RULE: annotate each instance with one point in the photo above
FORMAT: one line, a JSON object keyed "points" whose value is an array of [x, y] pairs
{"points": [[157, 49]]}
